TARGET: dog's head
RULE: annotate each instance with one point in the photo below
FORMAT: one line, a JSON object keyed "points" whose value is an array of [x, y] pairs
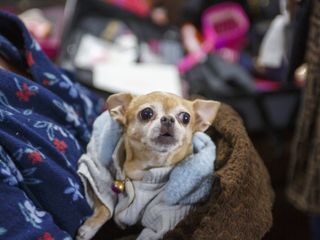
{"points": [[160, 126]]}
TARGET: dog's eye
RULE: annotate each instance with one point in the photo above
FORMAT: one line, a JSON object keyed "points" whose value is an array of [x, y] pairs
{"points": [[184, 117], [146, 114]]}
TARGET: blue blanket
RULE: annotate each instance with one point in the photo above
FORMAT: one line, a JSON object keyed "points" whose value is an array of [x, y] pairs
{"points": [[45, 125]]}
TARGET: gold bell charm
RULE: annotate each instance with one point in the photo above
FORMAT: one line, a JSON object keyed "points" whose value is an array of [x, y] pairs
{"points": [[118, 186]]}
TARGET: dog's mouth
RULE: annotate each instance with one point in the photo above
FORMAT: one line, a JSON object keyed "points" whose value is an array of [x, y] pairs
{"points": [[167, 134], [166, 138]]}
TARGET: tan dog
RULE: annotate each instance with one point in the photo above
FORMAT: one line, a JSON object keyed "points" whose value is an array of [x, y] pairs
{"points": [[157, 126]]}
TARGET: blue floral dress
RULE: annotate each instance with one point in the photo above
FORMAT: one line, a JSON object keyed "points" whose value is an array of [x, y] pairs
{"points": [[45, 125]]}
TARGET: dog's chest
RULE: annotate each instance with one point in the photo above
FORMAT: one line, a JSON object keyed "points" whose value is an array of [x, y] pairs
{"points": [[138, 196], [135, 201]]}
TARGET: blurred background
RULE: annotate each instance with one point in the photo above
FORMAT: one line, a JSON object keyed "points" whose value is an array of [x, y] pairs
{"points": [[249, 54]]}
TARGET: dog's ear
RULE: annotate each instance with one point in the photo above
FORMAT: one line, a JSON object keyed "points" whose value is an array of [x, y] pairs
{"points": [[205, 113], [117, 105]]}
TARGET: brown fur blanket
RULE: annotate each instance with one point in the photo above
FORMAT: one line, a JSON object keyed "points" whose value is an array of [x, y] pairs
{"points": [[240, 205]]}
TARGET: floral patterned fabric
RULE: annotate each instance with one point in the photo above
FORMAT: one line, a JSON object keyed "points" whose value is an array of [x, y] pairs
{"points": [[45, 125]]}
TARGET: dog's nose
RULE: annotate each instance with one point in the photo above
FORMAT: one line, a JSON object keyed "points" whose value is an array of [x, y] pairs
{"points": [[167, 121]]}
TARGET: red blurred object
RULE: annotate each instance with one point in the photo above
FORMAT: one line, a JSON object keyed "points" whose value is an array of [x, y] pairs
{"points": [[139, 7], [265, 85]]}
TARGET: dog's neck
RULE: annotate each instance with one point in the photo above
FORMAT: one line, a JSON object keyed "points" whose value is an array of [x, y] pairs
{"points": [[138, 160]]}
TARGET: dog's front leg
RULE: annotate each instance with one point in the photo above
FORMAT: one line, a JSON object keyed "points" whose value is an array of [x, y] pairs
{"points": [[91, 226]]}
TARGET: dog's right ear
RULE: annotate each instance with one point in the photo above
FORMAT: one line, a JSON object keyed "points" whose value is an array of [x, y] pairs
{"points": [[117, 105], [205, 112]]}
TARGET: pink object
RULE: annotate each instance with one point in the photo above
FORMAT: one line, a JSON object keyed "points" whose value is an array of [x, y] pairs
{"points": [[193, 58], [196, 51], [225, 25]]}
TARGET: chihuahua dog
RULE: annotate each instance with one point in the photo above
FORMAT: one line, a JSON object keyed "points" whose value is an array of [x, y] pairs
{"points": [[157, 132]]}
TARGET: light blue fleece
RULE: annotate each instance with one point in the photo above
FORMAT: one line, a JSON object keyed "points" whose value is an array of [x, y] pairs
{"points": [[191, 180], [107, 132]]}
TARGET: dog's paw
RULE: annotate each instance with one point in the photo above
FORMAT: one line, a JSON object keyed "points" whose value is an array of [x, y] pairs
{"points": [[86, 232]]}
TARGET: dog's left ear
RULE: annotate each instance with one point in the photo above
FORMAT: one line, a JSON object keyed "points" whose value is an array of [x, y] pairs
{"points": [[205, 112], [117, 105]]}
